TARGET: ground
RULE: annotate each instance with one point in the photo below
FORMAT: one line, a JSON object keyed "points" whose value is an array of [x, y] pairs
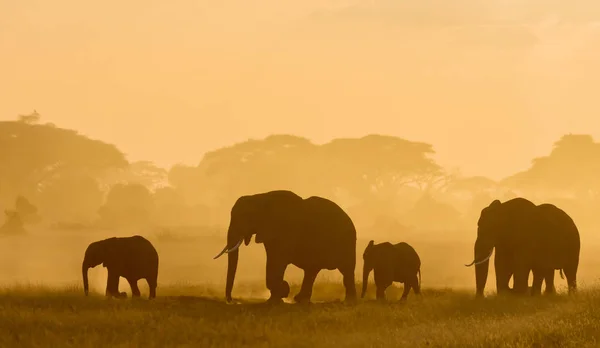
{"points": [[33, 316], [42, 302]]}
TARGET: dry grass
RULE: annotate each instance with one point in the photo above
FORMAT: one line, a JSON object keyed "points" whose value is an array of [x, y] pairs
{"points": [[33, 316], [50, 310]]}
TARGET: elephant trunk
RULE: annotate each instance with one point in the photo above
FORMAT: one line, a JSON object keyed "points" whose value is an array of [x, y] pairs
{"points": [[232, 262], [84, 273], [481, 273], [366, 270], [481, 267], [234, 241]]}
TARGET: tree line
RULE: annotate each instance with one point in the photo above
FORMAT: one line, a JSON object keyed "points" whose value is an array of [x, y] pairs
{"points": [[55, 176]]}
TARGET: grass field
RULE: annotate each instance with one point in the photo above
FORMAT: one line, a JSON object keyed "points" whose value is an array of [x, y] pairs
{"points": [[50, 310], [43, 317]]}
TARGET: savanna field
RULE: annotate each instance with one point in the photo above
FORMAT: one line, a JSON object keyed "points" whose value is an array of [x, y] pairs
{"points": [[419, 119], [42, 302], [40, 317]]}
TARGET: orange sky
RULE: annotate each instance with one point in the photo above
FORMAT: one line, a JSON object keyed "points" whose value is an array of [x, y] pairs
{"points": [[490, 86]]}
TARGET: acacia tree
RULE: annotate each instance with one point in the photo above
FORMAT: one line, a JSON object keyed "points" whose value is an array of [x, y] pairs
{"points": [[23, 213], [32, 156], [277, 162], [378, 166], [139, 172], [568, 177], [348, 170], [71, 197], [571, 169], [126, 205]]}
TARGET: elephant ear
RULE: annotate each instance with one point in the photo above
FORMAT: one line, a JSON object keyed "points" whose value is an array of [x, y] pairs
{"points": [[269, 221], [492, 207], [495, 204], [369, 246], [109, 252], [488, 212], [277, 214]]}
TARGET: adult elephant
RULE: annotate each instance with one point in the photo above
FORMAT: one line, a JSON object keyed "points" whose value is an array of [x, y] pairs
{"points": [[132, 258], [313, 234], [561, 251], [526, 237]]}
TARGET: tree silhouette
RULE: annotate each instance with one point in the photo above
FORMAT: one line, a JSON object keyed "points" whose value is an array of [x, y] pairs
{"points": [[72, 197], [370, 170], [145, 173], [33, 155], [279, 161], [127, 204], [23, 213], [32, 118], [380, 165], [572, 168]]}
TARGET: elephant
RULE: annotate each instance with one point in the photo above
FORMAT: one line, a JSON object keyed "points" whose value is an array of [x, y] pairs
{"points": [[132, 258], [562, 254], [527, 238], [392, 263], [311, 233]]}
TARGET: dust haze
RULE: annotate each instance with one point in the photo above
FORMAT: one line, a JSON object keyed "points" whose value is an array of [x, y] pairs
{"points": [[150, 118]]}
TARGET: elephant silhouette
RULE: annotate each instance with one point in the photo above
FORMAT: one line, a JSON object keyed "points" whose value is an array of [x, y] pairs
{"points": [[391, 263], [313, 234], [527, 238], [132, 258]]}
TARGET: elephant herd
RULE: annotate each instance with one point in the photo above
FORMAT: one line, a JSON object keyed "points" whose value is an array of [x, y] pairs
{"points": [[315, 233]]}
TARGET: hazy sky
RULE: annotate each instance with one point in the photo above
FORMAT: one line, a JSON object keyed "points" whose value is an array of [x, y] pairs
{"points": [[489, 85]]}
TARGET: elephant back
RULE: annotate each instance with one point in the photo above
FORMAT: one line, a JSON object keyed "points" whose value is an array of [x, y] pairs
{"points": [[406, 256], [138, 255], [560, 237], [325, 232]]}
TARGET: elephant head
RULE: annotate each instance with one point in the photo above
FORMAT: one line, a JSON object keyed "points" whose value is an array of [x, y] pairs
{"points": [[266, 215], [368, 265], [488, 228], [95, 254], [507, 223]]}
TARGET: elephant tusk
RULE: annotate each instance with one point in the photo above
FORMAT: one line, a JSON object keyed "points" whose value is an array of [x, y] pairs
{"points": [[221, 253], [236, 246], [225, 250], [487, 258], [482, 261]]}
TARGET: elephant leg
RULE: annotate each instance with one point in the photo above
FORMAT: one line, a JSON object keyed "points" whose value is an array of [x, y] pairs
{"points": [[112, 284], [571, 275], [416, 286], [135, 291], [549, 279], [152, 286], [349, 284], [275, 271], [382, 282], [380, 293], [521, 282], [307, 285], [407, 287], [503, 267], [538, 278]]}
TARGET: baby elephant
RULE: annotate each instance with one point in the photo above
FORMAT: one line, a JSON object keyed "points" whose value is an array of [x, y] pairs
{"points": [[392, 263], [132, 258]]}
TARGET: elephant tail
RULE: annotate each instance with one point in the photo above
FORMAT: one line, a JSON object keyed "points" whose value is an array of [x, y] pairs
{"points": [[561, 274], [419, 272]]}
